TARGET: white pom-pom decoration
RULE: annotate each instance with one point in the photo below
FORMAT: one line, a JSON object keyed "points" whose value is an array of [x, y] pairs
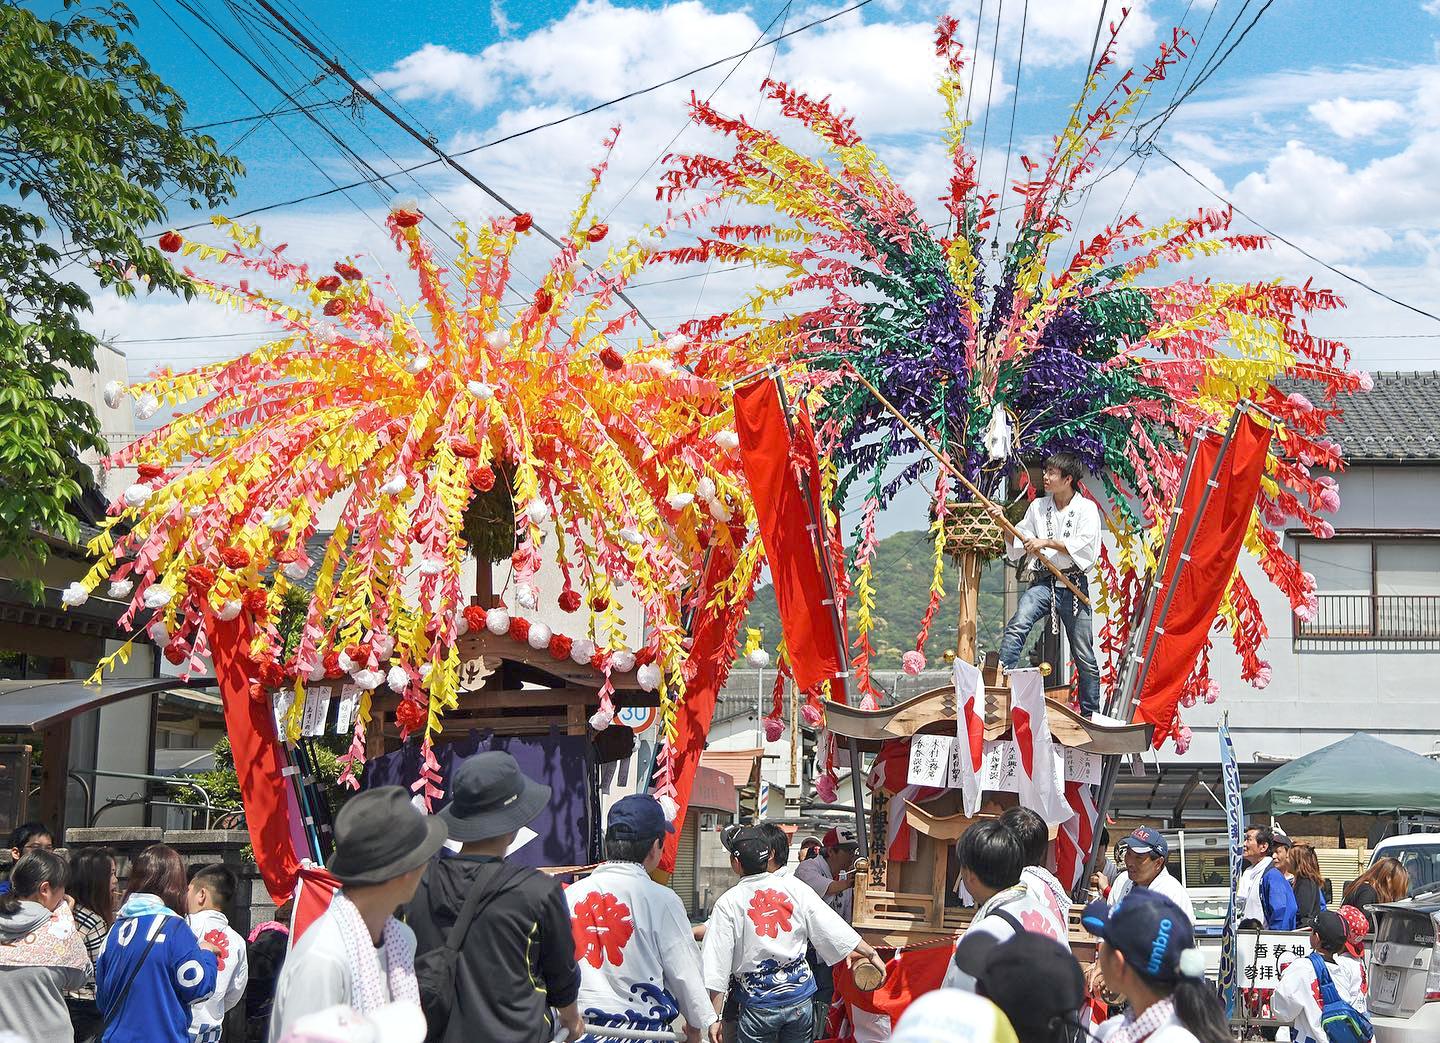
{"points": [[431, 567], [114, 392], [394, 486], [484, 392], [462, 625], [120, 589], [622, 661], [538, 511], [679, 501], [719, 510], [368, 679], [317, 670], [539, 636], [159, 632], [345, 663], [662, 367], [157, 596], [397, 679], [527, 596], [653, 238], [497, 339], [404, 203], [727, 440], [676, 341], [136, 495], [668, 806], [295, 570], [705, 488], [229, 611], [426, 670], [382, 644], [417, 365], [648, 677], [602, 719], [146, 406], [497, 621], [74, 595], [759, 659], [275, 522], [630, 536], [582, 650]]}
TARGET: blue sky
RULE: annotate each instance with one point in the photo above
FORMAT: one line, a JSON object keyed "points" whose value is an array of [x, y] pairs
{"points": [[1324, 123]]}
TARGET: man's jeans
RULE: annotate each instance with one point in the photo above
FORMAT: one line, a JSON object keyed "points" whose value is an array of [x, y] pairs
{"points": [[793, 1024], [1074, 616]]}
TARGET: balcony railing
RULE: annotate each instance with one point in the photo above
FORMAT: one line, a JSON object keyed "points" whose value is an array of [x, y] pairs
{"points": [[1366, 617]]}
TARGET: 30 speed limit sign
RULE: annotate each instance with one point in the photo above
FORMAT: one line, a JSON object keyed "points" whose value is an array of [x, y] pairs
{"points": [[637, 717]]}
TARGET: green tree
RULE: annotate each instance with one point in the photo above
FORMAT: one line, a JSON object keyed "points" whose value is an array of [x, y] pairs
{"points": [[92, 148]]}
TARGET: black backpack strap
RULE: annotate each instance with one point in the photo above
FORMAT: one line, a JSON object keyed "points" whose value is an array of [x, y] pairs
{"points": [[486, 888], [1008, 918], [109, 1015]]}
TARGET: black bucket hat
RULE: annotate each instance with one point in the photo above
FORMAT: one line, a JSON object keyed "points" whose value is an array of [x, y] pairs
{"points": [[380, 835], [491, 797]]}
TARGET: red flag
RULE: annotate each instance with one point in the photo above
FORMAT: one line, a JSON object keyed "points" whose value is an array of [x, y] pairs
{"points": [[776, 463], [1076, 835], [1206, 575], [711, 654], [271, 813], [313, 892], [909, 973]]}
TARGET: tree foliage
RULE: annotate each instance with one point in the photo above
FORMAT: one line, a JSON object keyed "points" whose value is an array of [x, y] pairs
{"points": [[92, 151]]}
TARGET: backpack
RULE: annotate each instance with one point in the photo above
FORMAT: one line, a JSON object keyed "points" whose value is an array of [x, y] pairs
{"points": [[1342, 1023], [435, 971]]}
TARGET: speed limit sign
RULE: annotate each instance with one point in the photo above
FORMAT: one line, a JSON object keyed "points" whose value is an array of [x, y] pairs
{"points": [[637, 717]]}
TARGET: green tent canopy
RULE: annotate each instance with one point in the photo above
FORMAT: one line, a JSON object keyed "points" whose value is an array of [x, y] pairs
{"points": [[1361, 775]]}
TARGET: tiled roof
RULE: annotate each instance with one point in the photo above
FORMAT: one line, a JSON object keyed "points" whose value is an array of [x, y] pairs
{"points": [[1398, 420]]}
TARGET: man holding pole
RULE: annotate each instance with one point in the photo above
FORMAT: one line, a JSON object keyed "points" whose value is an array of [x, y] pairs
{"points": [[1063, 528]]}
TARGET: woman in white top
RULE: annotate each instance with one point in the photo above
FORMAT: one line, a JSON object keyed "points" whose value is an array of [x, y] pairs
{"points": [[1147, 954]]}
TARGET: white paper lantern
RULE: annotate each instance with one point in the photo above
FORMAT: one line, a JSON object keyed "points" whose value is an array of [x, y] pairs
{"points": [[622, 661], [74, 595], [114, 392], [582, 650], [120, 589], [398, 679], [648, 677], [539, 636], [146, 406], [497, 621]]}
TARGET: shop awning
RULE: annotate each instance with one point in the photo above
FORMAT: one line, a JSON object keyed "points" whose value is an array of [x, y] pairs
{"points": [[33, 705], [741, 765]]}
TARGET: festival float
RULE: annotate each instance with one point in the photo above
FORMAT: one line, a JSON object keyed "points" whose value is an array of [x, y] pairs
{"points": [[483, 420], [941, 353]]}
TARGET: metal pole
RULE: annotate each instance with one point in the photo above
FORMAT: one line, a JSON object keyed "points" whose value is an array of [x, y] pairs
{"points": [[817, 526]]}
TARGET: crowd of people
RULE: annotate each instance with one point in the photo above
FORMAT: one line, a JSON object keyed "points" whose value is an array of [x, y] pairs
{"points": [[435, 935]]}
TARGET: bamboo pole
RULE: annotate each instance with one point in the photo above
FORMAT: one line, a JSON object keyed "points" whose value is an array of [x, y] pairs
{"points": [[930, 447]]}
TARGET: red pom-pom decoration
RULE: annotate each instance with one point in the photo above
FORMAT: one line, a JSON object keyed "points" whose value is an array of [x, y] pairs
{"points": [[176, 653], [569, 600], [644, 656], [597, 232], [405, 218], [334, 306], [519, 628], [200, 578], [561, 647], [347, 271], [235, 557], [611, 358], [474, 617], [523, 222], [331, 662], [543, 299], [483, 478], [256, 600], [272, 674], [149, 471], [411, 715], [464, 450], [289, 555], [329, 284], [599, 602], [170, 242]]}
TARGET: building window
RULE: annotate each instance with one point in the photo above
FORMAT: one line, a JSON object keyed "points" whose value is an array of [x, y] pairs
{"points": [[1373, 589]]}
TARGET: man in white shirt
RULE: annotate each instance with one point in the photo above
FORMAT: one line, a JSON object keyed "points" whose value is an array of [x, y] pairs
{"points": [[826, 874], [1297, 998], [212, 889], [1063, 527], [639, 965], [758, 932], [1146, 852]]}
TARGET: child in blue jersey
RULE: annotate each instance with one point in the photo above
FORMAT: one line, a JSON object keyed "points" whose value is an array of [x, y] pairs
{"points": [[152, 968]]}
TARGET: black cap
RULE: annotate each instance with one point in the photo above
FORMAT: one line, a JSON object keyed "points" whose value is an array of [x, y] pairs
{"points": [[1330, 926], [750, 845], [491, 797], [1032, 978]]}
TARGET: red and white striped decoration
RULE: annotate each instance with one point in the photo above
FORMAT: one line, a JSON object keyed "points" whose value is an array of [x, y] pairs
{"points": [[1076, 834]]}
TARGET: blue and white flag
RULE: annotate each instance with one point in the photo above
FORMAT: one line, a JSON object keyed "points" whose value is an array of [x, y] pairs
{"points": [[1235, 822]]}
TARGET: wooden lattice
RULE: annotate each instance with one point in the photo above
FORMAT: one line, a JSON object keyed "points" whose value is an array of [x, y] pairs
{"points": [[969, 528]]}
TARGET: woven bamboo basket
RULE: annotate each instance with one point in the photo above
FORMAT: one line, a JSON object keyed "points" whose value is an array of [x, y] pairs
{"points": [[969, 528]]}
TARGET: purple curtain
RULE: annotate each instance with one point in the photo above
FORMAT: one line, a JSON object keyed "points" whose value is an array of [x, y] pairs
{"points": [[565, 763]]}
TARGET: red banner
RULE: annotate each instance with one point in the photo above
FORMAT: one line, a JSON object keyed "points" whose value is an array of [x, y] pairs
{"points": [[271, 812], [1206, 576], [712, 652], [909, 973], [776, 463]]}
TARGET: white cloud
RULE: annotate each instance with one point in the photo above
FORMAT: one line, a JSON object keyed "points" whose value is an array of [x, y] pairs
{"points": [[1356, 119], [503, 25], [437, 71]]}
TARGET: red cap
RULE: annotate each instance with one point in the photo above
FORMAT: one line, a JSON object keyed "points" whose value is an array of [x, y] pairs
{"points": [[839, 837]]}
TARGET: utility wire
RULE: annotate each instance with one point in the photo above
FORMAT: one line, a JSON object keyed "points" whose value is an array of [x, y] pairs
{"points": [[1293, 245], [314, 106], [990, 94], [1015, 101]]}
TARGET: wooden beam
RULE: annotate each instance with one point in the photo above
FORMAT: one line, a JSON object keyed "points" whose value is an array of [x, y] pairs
{"points": [[54, 777]]}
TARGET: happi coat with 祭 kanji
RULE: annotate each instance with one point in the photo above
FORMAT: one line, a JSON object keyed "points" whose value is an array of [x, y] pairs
{"points": [[639, 964], [758, 932], [232, 972]]}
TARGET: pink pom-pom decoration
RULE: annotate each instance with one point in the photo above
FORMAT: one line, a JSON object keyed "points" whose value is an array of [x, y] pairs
{"points": [[1187, 699], [1329, 499], [1324, 530], [1212, 691], [912, 662], [1305, 612], [826, 788], [1183, 738], [1262, 676], [1300, 402], [1365, 380], [810, 713], [602, 719], [774, 728]]}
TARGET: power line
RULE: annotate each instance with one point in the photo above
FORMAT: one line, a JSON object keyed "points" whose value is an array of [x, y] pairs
{"points": [[314, 106], [539, 126], [1294, 246], [1015, 100]]}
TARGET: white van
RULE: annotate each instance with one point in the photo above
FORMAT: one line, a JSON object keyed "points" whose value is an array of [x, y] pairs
{"points": [[1404, 996]]}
